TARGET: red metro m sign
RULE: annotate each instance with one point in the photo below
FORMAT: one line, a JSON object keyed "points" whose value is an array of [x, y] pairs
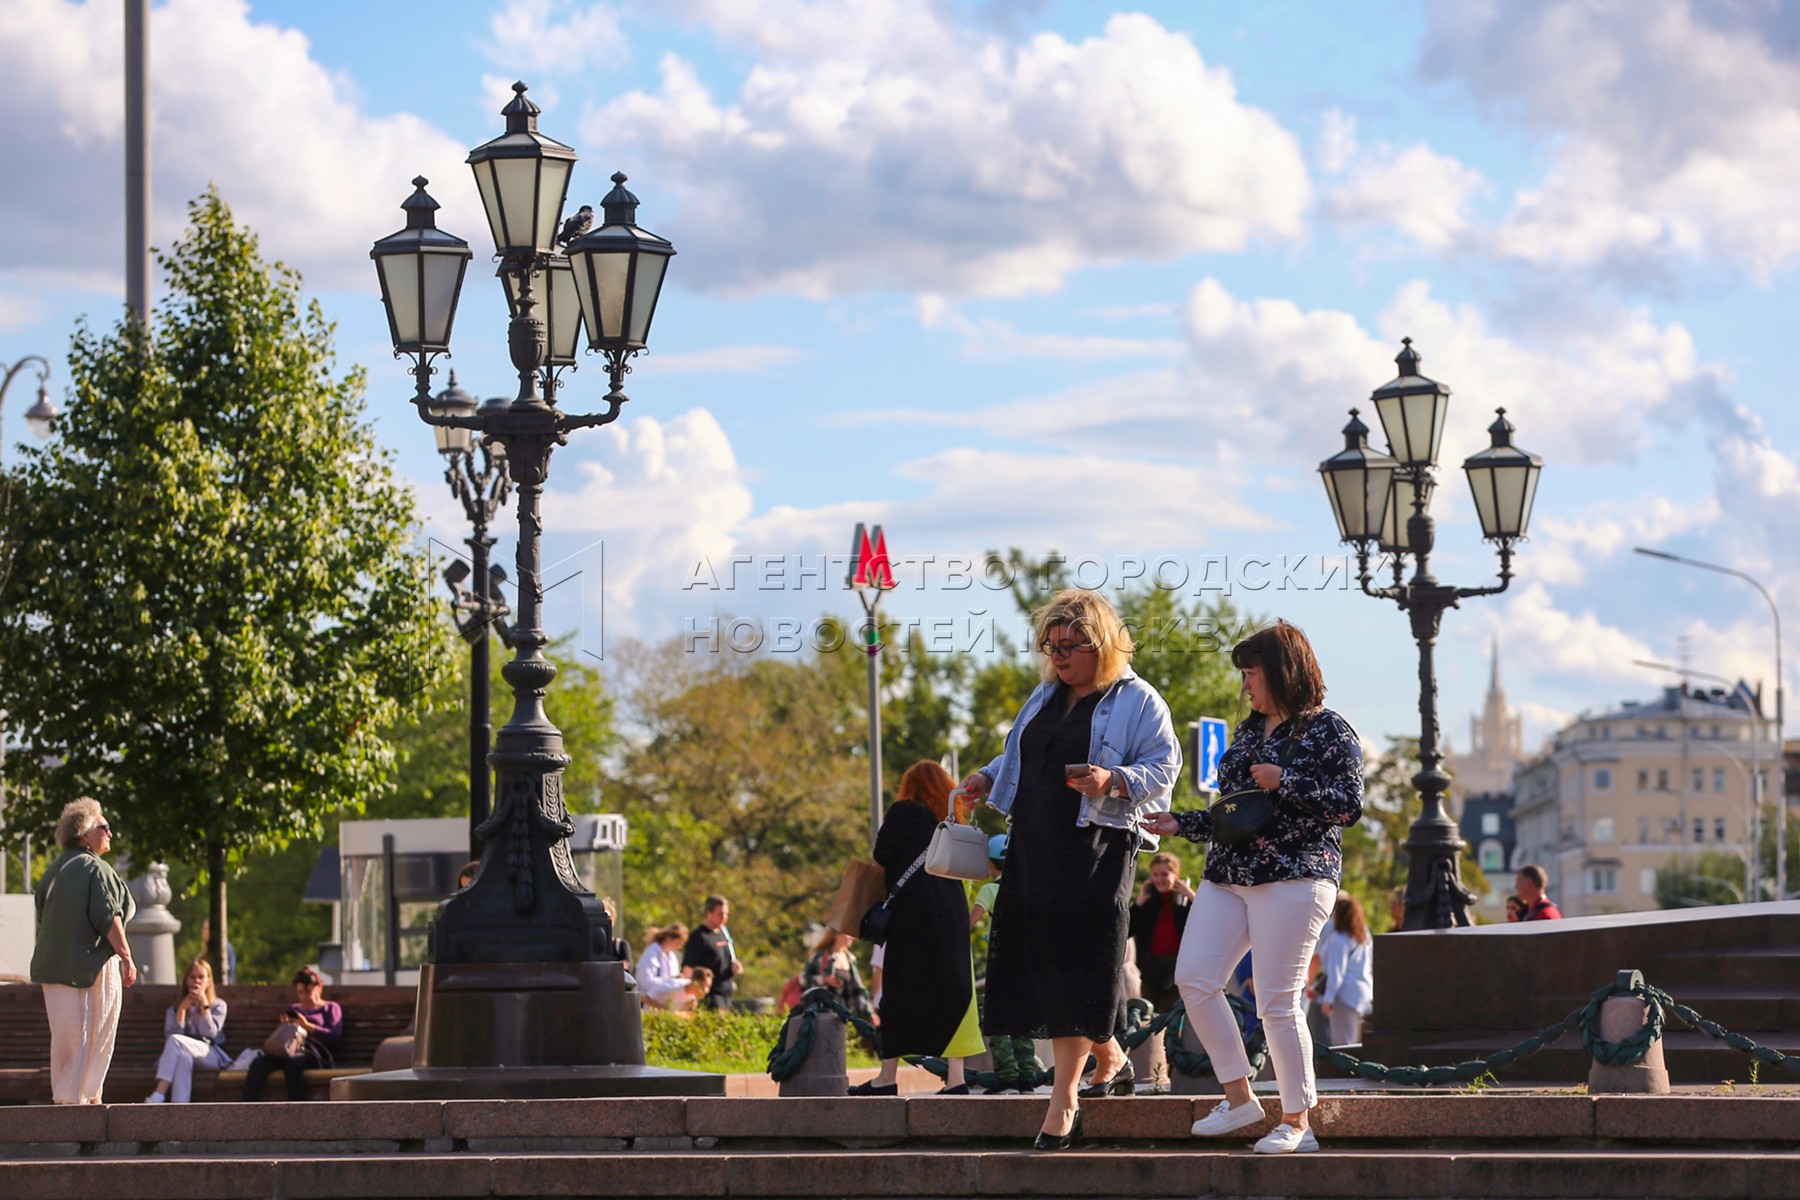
{"points": [[869, 567]]}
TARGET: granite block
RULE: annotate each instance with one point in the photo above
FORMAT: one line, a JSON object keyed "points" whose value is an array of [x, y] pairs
{"points": [[802, 1116], [610, 1175], [275, 1121], [1453, 1116], [1326, 1174], [1079, 1172], [136, 1178], [1698, 1118], [54, 1123], [1532, 1175], [887, 1173], [407, 1175], [610, 1117]]}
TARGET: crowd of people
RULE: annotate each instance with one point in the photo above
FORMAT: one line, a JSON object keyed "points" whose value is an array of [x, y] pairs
{"points": [[1084, 782]]}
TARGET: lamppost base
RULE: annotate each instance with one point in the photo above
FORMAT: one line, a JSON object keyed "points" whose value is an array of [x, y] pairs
{"points": [[527, 1030]]}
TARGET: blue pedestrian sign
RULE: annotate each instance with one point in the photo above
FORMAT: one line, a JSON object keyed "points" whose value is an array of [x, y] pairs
{"points": [[1209, 748]]}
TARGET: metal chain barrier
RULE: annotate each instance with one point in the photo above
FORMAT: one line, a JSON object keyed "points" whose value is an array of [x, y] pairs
{"points": [[785, 1062]]}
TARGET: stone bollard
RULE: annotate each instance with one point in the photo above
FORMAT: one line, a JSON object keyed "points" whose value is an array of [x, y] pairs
{"points": [[1620, 1017], [1150, 1061], [151, 933], [823, 1073], [1183, 1084]]}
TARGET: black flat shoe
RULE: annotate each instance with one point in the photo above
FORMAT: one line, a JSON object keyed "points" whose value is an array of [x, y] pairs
{"points": [[961, 1089], [872, 1088], [1050, 1141], [1123, 1083]]}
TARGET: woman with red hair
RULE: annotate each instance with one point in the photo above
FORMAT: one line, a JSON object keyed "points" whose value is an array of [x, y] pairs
{"points": [[928, 983]]}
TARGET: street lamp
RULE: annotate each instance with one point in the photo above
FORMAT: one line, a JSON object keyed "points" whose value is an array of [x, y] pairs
{"points": [[525, 972], [476, 473], [1382, 503], [39, 415], [37, 419], [1781, 801]]}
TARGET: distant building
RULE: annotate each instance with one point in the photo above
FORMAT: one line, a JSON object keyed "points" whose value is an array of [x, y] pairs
{"points": [[1481, 796], [1496, 744], [1619, 794]]}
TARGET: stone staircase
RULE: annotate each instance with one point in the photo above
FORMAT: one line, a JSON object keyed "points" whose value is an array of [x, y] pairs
{"points": [[1544, 1146]]}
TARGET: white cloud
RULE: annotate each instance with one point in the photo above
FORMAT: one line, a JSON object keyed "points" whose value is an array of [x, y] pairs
{"points": [[733, 360], [877, 145], [657, 493], [990, 338], [1678, 125], [1335, 146], [234, 101], [1543, 640], [1422, 194], [555, 37], [1566, 548]]}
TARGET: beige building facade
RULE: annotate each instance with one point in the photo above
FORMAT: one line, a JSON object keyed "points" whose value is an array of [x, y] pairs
{"points": [[1619, 794]]}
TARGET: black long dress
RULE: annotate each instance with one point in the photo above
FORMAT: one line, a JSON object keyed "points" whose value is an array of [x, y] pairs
{"points": [[926, 983], [1056, 951]]}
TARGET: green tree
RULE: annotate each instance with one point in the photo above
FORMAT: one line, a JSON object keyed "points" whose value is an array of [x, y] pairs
{"points": [[215, 608], [744, 775], [273, 931], [1709, 877]]}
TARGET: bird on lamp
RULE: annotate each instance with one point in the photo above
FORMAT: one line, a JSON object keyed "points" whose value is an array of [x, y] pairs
{"points": [[575, 226]]}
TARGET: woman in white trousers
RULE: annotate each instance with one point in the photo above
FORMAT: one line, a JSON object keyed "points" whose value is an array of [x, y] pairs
{"points": [[82, 959], [1270, 888]]}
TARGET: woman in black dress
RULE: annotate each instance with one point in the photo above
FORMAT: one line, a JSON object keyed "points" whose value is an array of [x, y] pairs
{"points": [[1092, 752], [927, 983]]}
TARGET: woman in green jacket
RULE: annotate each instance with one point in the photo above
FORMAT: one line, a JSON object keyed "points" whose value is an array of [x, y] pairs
{"points": [[82, 955]]}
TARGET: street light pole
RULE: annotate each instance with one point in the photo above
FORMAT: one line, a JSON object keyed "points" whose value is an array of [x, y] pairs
{"points": [[476, 473], [37, 418], [1370, 494], [526, 973], [1780, 705]]}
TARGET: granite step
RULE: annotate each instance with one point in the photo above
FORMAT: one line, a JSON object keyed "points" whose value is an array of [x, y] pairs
{"points": [[1436, 1119], [1675, 970], [1536, 1174]]}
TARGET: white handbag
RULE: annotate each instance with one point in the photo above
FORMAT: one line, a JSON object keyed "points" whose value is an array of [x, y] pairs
{"points": [[957, 852]]}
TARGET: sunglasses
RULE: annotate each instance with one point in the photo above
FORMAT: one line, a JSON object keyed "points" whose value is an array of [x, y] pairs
{"points": [[104, 828], [1064, 649]]}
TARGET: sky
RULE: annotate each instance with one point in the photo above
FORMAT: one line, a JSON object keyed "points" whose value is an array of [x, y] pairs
{"points": [[1052, 275]]}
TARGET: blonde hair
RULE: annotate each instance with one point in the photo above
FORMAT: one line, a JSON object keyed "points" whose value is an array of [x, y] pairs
{"points": [[78, 818], [1092, 616], [674, 931], [200, 964]]}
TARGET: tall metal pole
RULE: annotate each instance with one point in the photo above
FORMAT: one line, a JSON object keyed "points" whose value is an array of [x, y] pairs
{"points": [[137, 160], [872, 646], [480, 721], [1781, 802]]}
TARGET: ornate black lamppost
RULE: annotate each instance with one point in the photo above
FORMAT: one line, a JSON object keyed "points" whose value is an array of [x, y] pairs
{"points": [[525, 973], [1382, 501], [476, 473]]}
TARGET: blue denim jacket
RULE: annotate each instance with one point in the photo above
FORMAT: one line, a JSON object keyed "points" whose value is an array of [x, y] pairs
{"points": [[1133, 737]]}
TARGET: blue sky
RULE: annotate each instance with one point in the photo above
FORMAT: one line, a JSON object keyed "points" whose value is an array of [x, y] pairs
{"points": [[1071, 275]]}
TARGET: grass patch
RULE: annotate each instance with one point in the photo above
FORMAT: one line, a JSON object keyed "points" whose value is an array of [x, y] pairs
{"points": [[725, 1043]]}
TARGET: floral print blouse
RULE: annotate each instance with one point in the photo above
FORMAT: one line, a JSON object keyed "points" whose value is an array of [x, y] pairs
{"points": [[1320, 793]]}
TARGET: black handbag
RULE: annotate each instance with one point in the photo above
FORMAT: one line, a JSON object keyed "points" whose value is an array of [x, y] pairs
{"points": [[1241, 815], [874, 927]]}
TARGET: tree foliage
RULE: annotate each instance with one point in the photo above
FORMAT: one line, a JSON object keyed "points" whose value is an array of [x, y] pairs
{"points": [[215, 611]]}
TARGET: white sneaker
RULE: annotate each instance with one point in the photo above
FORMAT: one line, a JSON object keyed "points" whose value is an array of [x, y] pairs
{"points": [[155, 1098], [1225, 1119], [1285, 1139]]}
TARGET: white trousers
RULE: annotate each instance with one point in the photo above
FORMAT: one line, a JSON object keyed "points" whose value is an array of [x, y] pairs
{"points": [[180, 1055], [1280, 922], [83, 1025]]}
